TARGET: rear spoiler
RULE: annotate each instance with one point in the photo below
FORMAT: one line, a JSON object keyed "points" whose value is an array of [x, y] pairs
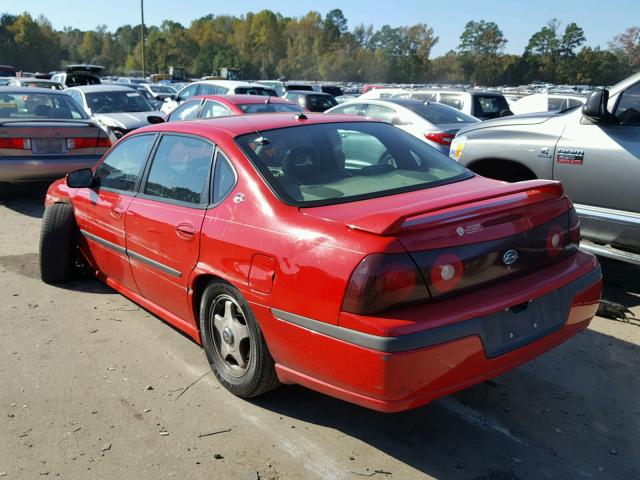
{"points": [[458, 205]]}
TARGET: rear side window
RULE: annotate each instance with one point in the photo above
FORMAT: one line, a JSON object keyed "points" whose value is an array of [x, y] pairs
{"points": [[266, 92], [269, 107], [454, 101], [121, 169], [180, 169], [224, 178]]}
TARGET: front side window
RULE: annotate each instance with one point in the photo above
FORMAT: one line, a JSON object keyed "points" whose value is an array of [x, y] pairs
{"points": [[628, 109], [180, 169], [331, 163], [187, 92], [454, 101], [206, 89], [213, 109], [186, 111], [121, 169], [349, 109], [380, 113]]}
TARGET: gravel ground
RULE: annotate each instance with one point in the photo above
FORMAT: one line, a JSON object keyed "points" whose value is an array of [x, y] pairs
{"points": [[95, 387]]}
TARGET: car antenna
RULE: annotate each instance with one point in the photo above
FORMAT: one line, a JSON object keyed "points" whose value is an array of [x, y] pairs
{"points": [[261, 140]]}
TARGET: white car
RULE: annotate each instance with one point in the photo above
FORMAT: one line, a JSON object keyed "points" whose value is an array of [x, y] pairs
{"points": [[118, 109], [482, 104], [380, 93], [432, 123], [546, 102], [216, 87]]}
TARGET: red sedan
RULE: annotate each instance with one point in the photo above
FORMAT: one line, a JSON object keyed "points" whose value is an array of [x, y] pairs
{"points": [[212, 106], [329, 251]]}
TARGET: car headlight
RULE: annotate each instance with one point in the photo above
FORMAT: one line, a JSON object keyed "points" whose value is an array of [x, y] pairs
{"points": [[457, 147]]}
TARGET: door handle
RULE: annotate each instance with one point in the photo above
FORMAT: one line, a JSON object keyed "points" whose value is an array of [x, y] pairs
{"points": [[116, 213], [185, 230]]}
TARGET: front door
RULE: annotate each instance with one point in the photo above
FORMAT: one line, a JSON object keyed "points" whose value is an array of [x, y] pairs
{"points": [[100, 210], [163, 222]]}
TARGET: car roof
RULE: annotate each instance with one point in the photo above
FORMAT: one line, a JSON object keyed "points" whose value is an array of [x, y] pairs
{"points": [[230, 83], [244, 99], [309, 92], [104, 87], [31, 90], [242, 124]]}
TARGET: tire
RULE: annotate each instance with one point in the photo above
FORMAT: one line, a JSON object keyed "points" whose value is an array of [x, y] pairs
{"points": [[57, 243], [4, 190], [233, 342]]}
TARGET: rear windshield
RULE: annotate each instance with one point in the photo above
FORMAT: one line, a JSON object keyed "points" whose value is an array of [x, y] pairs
{"points": [[490, 104], [267, 92], [75, 80], [117, 101], [313, 165], [320, 102], [19, 105], [39, 84], [269, 107], [439, 114]]}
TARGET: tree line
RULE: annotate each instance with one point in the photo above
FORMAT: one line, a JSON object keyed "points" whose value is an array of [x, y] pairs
{"points": [[267, 45]]}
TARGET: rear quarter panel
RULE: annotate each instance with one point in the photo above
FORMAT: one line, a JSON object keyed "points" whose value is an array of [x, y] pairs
{"points": [[518, 143]]}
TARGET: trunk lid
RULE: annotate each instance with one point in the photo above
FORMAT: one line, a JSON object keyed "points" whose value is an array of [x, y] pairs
{"points": [[472, 233], [51, 138]]}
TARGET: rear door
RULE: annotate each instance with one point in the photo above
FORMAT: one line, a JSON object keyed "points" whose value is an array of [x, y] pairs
{"points": [[163, 222], [100, 211]]}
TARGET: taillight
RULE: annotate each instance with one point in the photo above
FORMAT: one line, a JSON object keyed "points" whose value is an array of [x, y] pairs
{"points": [[446, 272], [440, 138], [87, 142], [383, 281], [574, 227], [15, 143]]}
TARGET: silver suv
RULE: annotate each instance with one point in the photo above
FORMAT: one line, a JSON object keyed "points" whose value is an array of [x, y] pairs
{"points": [[593, 150]]}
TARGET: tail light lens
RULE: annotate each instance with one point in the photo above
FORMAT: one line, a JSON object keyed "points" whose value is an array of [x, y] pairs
{"points": [[87, 142], [15, 143], [574, 228], [383, 281], [440, 138]]}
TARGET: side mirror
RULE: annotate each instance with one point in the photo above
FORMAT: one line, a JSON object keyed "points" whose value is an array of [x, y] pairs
{"points": [[153, 119], [506, 113], [82, 178], [595, 108]]}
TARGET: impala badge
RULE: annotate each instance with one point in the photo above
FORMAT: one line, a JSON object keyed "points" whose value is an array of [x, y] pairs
{"points": [[238, 198], [510, 257]]}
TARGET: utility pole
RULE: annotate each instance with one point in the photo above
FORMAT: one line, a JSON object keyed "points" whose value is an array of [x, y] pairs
{"points": [[144, 72]]}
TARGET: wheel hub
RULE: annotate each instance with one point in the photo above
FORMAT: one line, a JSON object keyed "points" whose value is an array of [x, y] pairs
{"points": [[227, 336]]}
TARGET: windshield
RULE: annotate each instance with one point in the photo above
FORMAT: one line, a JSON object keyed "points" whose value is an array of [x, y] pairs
{"points": [[162, 89], [331, 163], [269, 107], [439, 114], [19, 105], [117, 101]]}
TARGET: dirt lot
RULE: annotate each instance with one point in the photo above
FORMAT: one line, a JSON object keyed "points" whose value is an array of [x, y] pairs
{"points": [[93, 387]]}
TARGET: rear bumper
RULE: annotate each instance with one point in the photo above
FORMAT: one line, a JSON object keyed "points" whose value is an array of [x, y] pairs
{"points": [[395, 373], [36, 169]]}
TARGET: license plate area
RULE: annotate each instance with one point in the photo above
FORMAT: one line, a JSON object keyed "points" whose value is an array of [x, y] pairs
{"points": [[44, 146], [523, 323]]}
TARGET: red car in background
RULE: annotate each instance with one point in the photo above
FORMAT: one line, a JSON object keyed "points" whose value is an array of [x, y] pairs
{"points": [[212, 106], [330, 251]]}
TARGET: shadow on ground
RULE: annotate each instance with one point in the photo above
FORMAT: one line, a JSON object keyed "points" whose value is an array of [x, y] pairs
{"points": [[27, 199]]}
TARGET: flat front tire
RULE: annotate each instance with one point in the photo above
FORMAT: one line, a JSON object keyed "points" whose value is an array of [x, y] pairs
{"points": [[233, 342], [57, 243]]}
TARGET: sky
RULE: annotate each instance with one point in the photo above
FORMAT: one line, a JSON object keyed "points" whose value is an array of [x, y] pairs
{"points": [[518, 19]]}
